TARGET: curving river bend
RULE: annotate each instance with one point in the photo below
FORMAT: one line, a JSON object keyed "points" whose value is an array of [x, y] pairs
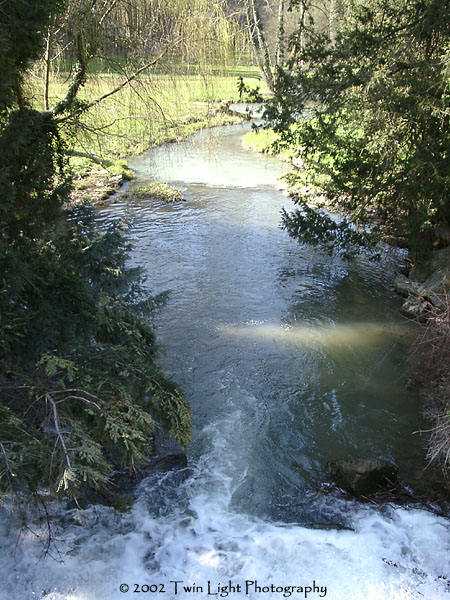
{"points": [[289, 359]]}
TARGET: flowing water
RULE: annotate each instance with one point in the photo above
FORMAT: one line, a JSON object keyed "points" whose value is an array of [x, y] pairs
{"points": [[290, 359]]}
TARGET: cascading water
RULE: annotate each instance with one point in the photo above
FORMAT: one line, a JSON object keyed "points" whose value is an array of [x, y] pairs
{"points": [[290, 359]]}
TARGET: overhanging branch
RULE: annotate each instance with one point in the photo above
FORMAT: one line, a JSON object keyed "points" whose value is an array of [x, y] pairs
{"points": [[124, 83]]}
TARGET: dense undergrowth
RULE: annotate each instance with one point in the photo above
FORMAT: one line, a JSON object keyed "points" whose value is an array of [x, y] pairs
{"points": [[430, 359]]}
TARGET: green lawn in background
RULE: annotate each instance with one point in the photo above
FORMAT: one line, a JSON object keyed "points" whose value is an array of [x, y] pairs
{"points": [[156, 109]]}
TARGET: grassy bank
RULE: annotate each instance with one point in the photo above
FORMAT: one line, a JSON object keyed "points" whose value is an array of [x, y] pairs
{"points": [[155, 190], [264, 140]]}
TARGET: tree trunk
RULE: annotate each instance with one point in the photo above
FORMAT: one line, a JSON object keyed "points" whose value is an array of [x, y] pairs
{"points": [[48, 65], [334, 16], [279, 53], [259, 44]]}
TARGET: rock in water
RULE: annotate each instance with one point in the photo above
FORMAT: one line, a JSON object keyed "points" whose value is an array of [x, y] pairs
{"points": [[405, 286], [364, 476], [416, 308], [170, 462]]}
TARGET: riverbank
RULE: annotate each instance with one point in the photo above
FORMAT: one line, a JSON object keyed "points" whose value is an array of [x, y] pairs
{"points": [[165, 108], [96, 184], [426, 291]]}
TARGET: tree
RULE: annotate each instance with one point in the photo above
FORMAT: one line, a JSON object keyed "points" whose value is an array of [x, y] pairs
{"points": [[268, 56], [378, 143], [81, 393], [120, 49], [260, 48], [336, 10]]}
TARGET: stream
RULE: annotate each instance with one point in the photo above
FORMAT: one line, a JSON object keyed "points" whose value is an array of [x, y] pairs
{"points": [[290, 359]]}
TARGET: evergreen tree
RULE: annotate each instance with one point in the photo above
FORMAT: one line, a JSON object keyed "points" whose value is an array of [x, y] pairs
{"points": [[80, 389], [378, 143]]}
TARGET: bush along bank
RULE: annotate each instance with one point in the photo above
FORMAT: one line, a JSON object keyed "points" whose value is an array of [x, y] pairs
{"points": [[427, 300]]}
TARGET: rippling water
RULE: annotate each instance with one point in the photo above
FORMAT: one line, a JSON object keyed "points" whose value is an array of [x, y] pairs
{"points": [[289, 359]]}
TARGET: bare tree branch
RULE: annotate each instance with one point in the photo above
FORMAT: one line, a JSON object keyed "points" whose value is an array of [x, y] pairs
{"points": [[107, 11], [8, 469], [58, 428], [124, 83], [85, 400]]}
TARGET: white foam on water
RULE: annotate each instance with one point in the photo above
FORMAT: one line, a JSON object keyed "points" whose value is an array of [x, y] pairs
{"points": [[203, 544], [403, 554]]}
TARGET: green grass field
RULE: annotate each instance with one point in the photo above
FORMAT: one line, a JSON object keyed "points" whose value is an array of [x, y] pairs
{"points": [[156, 109]]}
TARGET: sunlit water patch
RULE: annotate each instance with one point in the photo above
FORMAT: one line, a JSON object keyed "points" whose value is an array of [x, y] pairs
{"points": [[204, 160], [326, 336]]}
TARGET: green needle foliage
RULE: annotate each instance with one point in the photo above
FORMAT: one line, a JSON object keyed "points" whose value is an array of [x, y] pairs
{"points": [[378, 142], [81, 393]]}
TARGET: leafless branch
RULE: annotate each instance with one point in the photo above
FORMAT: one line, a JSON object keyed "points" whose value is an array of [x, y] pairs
{"points": [[58, 428], [8, 469], [75, 391], [124, 83], [85, 400], [107, 11]]}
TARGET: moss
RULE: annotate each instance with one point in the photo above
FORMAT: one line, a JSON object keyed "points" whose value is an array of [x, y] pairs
{"points": [[154, 190], [120, 167]]}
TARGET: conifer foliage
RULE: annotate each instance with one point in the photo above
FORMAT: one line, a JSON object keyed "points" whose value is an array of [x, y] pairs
{"points": [[80, 390], [378, 146]]}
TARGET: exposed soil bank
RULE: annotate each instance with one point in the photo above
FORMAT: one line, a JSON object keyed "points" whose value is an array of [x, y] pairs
{"points": [[427, 293], [95, 187]]}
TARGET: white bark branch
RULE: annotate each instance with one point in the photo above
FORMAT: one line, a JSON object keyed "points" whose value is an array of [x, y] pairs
{"points": [[58, 428]]}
